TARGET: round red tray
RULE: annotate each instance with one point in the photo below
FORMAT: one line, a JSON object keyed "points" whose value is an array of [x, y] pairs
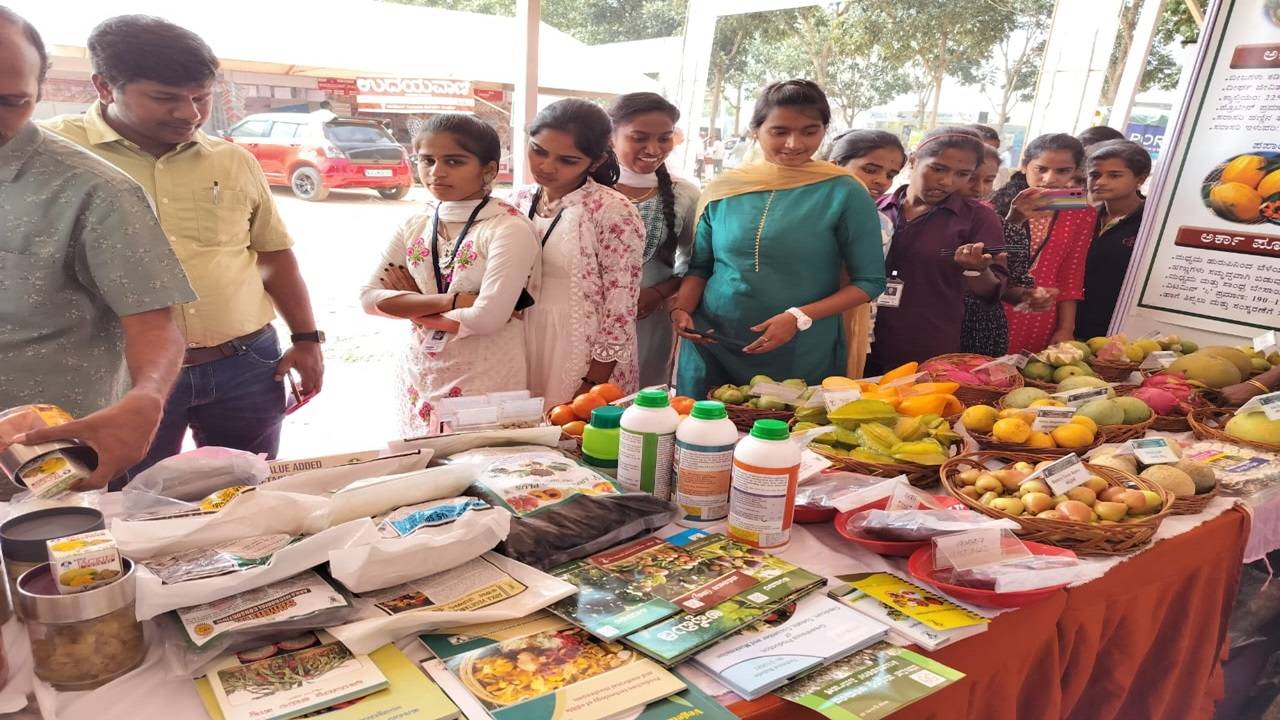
{"points": [[921, 568], [894, 548]]}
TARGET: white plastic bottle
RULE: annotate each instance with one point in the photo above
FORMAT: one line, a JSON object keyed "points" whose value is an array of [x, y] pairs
{"points": [[704, 464], [646, 444], [762, 500]]}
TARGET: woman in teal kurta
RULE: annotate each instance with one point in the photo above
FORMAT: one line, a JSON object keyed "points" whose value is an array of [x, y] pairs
{"points": [[769, 249]]}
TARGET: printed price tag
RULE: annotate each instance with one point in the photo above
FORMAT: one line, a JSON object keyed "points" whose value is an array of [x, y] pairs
{"points": [[970, 549], [1269, 404], [1063, 474], [1153, 451], [892, 295], [836, 399], [1077, 398], [1048, 418], [434, 341], [1159, 360], [1267, 342], [782, 392]]}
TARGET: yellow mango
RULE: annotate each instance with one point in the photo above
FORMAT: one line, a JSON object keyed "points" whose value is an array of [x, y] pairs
{"points": [[1247, 169], [1235, 201]]}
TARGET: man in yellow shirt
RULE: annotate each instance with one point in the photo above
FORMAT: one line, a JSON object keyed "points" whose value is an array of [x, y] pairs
{"points": [[155, 89]]}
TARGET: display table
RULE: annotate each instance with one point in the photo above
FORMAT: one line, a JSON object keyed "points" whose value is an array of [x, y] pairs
{"points": [[1142, 641]]}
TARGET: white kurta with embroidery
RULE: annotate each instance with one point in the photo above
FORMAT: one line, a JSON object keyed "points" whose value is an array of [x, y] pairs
{"points": [[497, 258], [586, 303]]}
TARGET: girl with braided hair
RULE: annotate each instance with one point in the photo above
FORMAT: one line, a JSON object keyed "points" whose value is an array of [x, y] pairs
{"points": [[644, 127]]}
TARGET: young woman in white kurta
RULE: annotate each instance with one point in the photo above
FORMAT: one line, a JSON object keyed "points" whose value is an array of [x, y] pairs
{"points": [[582, 330], [464, 282]]}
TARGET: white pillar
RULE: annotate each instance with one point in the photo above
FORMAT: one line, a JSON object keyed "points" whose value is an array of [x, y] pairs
{"points": [[1135, 63], [1074, 66], [691, 93], [525, 103]]}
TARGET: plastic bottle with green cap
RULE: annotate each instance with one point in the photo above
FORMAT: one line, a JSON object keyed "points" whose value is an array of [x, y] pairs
{"points": [[762, 496], [704, 464], [646, 444], [600, 439]]}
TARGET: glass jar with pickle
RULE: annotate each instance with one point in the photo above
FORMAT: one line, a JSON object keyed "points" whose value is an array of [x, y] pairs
{"points": [[85, 640]]}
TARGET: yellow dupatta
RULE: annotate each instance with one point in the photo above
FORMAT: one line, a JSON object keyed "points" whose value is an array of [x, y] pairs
{"points": [[763, 176]]}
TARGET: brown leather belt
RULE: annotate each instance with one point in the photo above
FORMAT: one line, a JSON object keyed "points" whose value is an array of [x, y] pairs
{"points": [[230, 348]]}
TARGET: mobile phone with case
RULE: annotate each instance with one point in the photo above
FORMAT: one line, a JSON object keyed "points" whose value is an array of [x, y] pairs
{"points": [[1064, 199]]}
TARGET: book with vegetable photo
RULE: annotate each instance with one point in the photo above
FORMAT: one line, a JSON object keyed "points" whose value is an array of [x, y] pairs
{"points": [[670, 598], [870, 684], [405, 691]]}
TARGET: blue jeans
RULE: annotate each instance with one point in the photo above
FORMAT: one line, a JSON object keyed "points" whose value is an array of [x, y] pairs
{"points": [[234, 402]]}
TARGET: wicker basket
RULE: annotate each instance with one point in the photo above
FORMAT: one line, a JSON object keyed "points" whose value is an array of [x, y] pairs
{"points": [[1193, 504], [1207, 424], [1083, 538], [987, 442], [1125, 433], [976, 394], [1113, 371], [744, 417], [921, 476]]}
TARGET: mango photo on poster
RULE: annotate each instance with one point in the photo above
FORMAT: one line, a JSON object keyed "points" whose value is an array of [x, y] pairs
{"points": [[1245, 188]]}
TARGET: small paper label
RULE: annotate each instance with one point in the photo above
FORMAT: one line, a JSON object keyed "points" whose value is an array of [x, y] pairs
{"points": [[1153, 451], [836, 399], [892, 295], [1159, 360], [1267, 342], [970, 549], [1077, 398], [1048, 418], [908, 380], [782, 392], [811, 463], [1063, 474], [1269, 404], [433, 341]]}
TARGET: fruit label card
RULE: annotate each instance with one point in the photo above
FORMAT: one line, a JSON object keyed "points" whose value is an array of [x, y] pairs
{"points": [[1078, 397], [917, 603], [1267, 342], [1158, 360], [1269, 404], [1048, 418], [907, 380], [969, 549], [1153, 451], [836, 399], [786, 393], [1062, 474]]}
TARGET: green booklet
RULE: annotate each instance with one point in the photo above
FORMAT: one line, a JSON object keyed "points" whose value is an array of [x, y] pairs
{"points": [[671, 598], [870, 684]]}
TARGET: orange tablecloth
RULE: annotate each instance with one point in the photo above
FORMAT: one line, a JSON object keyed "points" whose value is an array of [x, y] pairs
{"points": [[1144, 641]]}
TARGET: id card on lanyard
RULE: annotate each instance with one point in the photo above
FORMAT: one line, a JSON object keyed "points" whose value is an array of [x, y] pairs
{"points": [[434, 341], [892, 295], [533, 209]]}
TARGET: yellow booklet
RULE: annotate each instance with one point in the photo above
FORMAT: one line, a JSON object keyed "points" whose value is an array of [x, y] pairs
{"points": [[917, 603], [410, 694]]}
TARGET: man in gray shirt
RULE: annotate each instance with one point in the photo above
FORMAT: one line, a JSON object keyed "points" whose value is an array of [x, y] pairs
{"points": [[87, 278]]}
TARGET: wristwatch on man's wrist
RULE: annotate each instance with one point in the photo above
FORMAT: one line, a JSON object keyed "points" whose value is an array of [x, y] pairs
{"points": [[316, 336], [803, 322]]}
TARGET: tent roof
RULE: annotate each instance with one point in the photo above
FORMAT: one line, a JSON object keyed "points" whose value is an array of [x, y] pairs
{"points": [[348, 38]]}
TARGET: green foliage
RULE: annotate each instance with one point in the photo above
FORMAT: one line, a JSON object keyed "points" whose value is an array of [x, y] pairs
{"points": [[1176, 27], [590, 21]]}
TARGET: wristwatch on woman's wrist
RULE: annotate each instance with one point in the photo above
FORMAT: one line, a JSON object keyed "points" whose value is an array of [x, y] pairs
{"points": [[803, 322]]}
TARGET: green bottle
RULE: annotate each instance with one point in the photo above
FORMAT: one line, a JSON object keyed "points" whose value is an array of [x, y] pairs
{"points": [[600, 439]]}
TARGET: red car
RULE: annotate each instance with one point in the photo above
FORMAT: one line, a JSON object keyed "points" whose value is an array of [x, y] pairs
{"points": [[313, 153]]}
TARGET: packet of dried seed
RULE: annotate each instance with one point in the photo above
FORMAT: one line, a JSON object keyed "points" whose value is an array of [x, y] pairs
{"points": [[221, 559]]}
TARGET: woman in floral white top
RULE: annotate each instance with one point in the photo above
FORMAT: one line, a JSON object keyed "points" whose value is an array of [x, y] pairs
{"points": [[457, 271], [582, 330]]}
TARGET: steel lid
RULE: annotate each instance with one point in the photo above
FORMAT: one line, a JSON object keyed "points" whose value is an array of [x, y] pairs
{"points": [[23, 537], [37, 598]]}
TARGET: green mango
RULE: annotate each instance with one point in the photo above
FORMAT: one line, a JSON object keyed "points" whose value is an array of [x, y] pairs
{"points": [[771, 402]]}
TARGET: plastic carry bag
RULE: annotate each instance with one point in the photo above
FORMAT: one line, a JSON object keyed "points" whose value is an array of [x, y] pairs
{"points": [[196, 474], [441, 534], [490, 588], [917, 525], [156, 597], [333, 479]]}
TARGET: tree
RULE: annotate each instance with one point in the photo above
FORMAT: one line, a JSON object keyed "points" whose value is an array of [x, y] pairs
{"points": [[590, 21], [736, 36], [942, 38], [1009, 77], [1120, 50], [1176, 27]]}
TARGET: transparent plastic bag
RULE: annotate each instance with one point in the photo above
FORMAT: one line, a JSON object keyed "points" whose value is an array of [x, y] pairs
{"points": [[1028, 573], [191, 476], [918, 525]]}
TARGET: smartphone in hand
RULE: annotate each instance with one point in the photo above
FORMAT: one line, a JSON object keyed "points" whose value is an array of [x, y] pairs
{"points": [[1063, 199], [294, 399]]}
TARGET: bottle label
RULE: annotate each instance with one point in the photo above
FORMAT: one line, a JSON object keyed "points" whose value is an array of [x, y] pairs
{"points": [[703, 474], [762, 504], [644, 462]]}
